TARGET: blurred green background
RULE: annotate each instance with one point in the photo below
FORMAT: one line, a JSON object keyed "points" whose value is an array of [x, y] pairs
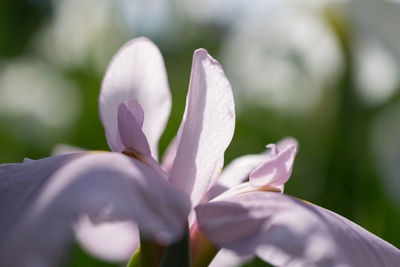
{"points": [[324, 72]]}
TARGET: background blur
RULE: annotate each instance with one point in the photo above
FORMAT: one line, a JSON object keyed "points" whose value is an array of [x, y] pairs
{"points": [[324, 72]]}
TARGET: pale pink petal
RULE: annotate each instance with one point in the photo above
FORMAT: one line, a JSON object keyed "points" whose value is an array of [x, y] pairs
{"points": [[109, 241], [169, 156], [227, 258], [136, 110], [215, 190], [287, 141], [285, 231], [242, 188], [20, 184], [206, 129], [152, 163], [130, 120], [235, 173], [277, 169], [239, 169], [105, 187], [136, 71]]}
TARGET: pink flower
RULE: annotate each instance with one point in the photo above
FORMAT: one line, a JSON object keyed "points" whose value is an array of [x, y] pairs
{"points": [[108, 198]]}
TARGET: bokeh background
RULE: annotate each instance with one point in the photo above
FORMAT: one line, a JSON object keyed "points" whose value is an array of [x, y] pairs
{"points": [[324, 72]]}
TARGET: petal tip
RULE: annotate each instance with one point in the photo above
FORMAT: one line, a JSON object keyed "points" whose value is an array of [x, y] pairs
{"points": [[202, 53], [141, 39]]}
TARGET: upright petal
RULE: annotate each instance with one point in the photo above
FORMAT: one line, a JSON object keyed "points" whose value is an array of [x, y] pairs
{"points": [[235, 173], [109, 241], [239, 169], [169, 156], [285, 231], [206, 129], [104, 187], [136, 71], [277, 169], [130, 120]]}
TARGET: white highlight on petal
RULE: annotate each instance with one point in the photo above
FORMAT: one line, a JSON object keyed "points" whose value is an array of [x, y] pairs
{"points": [[285, 231], [277, 169], [206, 129], [111, 241], [137, 71]]}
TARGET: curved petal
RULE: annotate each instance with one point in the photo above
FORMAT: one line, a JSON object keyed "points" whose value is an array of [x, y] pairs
{"points": [[289, 232], [235, 173], [239, 169], [109, 241], [105, 187], [136, 71], [20, 184], [169, 156], [227, 258], [130, 120], [206, 129], [277, 169]]}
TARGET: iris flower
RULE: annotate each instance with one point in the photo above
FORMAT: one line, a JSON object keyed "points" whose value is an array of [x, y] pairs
{"points": [[113, 201]]}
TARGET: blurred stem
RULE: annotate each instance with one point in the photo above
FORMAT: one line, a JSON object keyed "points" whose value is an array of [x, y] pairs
{"points": [[136, 259], [351, 172], [151, 253], [177, 254], [148, 255], [347, 143], [350, 148], [202, 250]]}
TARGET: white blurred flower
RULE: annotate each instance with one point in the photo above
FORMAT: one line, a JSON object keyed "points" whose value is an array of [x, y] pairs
{"points": [[81, 31], [229, 12], [31, 90], [282, 54], [284, 57], [232, 12], [377, 71], [152, 18]]}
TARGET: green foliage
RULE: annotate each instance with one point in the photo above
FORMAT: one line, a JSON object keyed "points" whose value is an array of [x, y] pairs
{"points": [[256, 262], [80, 258], [335, 165]]}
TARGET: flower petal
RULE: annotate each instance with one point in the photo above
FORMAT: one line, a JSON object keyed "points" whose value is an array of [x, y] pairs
{"points": [[169, 156], [130, 120], [206, 129], [105, 187], [136, 71], [277, 169], [20, 184], [239, 169], [109, 241], [285, 231], [227, 258]]}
